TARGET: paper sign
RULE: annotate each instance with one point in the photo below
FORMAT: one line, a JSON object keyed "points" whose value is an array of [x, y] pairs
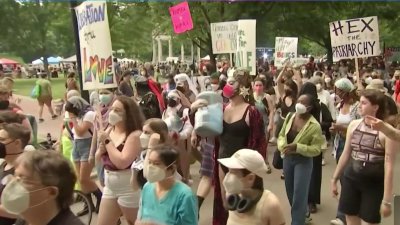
{"points": [[223, 37], [285, 49], [246, 45], [95, 46], [181, 18], [355, 38]]}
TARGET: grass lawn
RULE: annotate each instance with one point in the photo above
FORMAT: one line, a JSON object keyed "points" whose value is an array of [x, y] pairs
{"points": [[24, 87]]}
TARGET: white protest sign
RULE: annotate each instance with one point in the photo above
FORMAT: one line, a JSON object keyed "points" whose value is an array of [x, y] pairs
{"points": [[285, 49], [224, 37], [246, 45], [95, 46], [355, 38]]}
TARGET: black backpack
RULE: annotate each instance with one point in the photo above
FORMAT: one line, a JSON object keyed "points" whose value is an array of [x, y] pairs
{"points": [[150, 106]]}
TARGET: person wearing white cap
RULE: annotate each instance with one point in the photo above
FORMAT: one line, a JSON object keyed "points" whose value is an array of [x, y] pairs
{"points": [[186, 86], [176, 116], [248, 202]]}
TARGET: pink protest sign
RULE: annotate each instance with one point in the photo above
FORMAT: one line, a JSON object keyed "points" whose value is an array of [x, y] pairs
{"points": [[181, 18]]}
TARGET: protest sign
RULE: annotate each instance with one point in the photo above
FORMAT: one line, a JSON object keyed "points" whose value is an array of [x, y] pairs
{"points": [[355, 38], [246, 45], [181, 17], [285, 49], [224, 37], [95, 46]]}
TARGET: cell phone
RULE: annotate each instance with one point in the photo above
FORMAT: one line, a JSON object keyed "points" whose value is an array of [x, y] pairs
{"points": [[180, 88]]}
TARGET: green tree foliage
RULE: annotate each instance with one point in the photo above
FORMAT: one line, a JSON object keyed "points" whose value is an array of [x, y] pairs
{"points": [[41, 28]]}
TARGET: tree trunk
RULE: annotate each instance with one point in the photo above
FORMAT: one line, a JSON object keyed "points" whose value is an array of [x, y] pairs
{"points": [[328, 47], [46, 67]]}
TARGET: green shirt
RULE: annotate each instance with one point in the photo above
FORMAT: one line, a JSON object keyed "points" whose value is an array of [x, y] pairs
{"points": [[45, 87], [308, 140]]}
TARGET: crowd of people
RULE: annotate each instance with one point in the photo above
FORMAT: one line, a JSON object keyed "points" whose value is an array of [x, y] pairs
{"points": [[143, 136]]}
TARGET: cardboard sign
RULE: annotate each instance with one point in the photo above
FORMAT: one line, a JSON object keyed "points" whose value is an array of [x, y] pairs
{"points": [[355, 38], [181, 17], [224, 37], [246, 46], [95, 46], [285, 49]]}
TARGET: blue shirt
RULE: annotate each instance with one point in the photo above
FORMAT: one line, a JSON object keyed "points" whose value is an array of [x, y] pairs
{"points": [[177, 207]]}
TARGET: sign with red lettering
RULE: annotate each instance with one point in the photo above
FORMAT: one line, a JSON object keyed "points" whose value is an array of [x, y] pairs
{"points": [[224, 37], [181, 17], [285, 49], [355, 38]]}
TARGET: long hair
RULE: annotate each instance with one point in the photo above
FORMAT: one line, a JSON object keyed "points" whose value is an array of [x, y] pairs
{"points": [[134, 117], [160, 127], [376, 97], [293, 86]]}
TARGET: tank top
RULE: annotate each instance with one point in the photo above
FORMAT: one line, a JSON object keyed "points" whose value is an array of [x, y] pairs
{"points": [[234, 136], [253, 217], [108, 165], [286, 109], [366, 143]]}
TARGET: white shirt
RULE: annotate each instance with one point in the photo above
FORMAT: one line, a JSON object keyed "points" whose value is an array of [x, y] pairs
{"points": [[88, 117], [325, 97]]}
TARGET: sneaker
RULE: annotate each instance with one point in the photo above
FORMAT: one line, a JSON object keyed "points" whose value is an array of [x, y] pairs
{"points": [[308, 220], [41, 120], [323, 162], [337, 221], [282, 176], [54, 117], [272, 140], [269, 170]]}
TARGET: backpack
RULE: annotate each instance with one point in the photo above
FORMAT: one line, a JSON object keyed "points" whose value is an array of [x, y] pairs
{"points": [[150, 106], [36, 91]]}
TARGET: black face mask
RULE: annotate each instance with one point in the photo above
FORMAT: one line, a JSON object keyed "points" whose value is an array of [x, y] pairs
{"points": [[4, 104], [3, 151], [172, 102]]}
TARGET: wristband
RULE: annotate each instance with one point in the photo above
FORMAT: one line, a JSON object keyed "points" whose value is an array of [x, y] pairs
{"points": [[386, 203]]}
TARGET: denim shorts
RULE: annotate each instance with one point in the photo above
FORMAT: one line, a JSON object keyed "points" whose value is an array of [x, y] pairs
{"points": [[81, 150]]}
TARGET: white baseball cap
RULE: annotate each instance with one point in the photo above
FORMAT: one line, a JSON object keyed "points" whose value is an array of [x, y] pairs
{"points": [[246, 159]]}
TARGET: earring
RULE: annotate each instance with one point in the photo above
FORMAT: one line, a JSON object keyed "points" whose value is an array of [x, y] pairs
{"points": [[244, 92]]}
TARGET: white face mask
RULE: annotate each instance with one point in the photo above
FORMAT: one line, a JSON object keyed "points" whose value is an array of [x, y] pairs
{"points": [[114, 118], [327, 80], [300, 108], [319, 87], [214, 87], [144, 140], [232, 184], [15, 198], [368, 80], [155, 173]]}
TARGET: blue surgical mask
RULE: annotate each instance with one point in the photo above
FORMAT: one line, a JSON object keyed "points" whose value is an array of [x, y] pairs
{"points": [[105, 99]]}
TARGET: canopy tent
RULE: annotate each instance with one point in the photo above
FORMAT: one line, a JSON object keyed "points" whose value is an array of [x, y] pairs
{"points": [[50, 60], [5, 61], [70, 59], [54, 60], [37, 62]]}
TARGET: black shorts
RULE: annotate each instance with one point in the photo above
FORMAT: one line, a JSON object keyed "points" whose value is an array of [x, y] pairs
{"points": [[362, 199]]}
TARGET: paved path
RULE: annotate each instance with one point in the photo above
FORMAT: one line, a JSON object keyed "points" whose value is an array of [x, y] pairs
{"points": [[326, 211]]}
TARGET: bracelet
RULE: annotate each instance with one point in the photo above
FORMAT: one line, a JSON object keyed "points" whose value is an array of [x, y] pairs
{"points": [[386, 203]]}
